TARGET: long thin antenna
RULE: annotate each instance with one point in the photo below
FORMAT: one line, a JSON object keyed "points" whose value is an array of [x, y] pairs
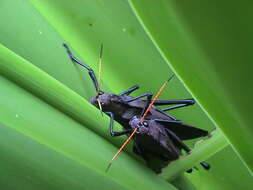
{"points": [[100, 66], [99, 77], [142, 118], [156, 96], [120, 149]]}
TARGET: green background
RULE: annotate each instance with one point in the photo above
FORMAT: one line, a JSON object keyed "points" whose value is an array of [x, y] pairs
{"points": [[52, 138]]}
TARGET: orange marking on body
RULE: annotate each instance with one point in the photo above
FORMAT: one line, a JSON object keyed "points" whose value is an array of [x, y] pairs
{"points": [[142, 118]]}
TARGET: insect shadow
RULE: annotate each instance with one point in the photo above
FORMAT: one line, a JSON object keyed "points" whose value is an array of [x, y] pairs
{"points": [[125, 109]]}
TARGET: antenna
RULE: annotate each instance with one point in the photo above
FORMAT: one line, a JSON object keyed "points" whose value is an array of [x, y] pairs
{"points": [[99, 77], [142, 118]]}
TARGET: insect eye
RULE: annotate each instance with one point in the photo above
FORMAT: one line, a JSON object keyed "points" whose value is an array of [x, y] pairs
{"points": [[145, 123]]}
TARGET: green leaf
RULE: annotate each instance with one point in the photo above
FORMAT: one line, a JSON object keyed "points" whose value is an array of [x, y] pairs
{"points": [[52, 138], [203, 150], [43, 133], [208, 44]]}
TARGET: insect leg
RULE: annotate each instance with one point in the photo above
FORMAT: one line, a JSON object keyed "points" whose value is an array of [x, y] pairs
{"points": [[91, 72], [149, 99], [182, 103], [170, 102], [175, 107], [130, 90], [178, 141], [138, 97], [113, 133], [205, 165]]}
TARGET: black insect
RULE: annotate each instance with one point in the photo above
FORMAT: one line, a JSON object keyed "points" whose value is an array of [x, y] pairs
{"points": [[159, 141], [123, 108]]}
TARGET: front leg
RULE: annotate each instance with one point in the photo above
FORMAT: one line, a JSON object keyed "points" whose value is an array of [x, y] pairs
{"points": [[114, 133]]}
